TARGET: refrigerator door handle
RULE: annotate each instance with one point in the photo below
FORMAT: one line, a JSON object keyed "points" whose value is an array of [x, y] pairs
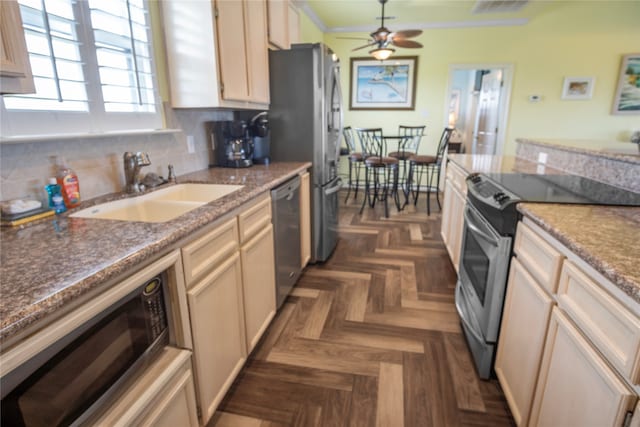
{"points": [[337, 92], [334, 188]]}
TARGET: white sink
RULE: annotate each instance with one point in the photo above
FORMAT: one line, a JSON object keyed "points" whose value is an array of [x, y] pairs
{"points": [[159, 206]]}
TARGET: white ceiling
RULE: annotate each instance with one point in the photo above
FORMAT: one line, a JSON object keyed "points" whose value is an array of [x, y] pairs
{"points": [[362, 15]]}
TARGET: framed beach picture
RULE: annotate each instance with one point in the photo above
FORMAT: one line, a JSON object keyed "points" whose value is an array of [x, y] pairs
{"points": [[627, 99], [383, 85], [578, 87]]}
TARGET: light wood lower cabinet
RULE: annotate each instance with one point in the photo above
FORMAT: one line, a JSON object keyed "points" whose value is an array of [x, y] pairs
{"points": [[217, 328], [163, 396], [305, 219], [258, 284], [576, 387], [527, 310]]}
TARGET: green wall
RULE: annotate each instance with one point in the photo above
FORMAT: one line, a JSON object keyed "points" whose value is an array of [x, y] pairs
{"points": [[576, 38]]}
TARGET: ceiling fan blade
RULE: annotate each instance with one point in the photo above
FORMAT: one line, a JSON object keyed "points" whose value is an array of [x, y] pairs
{"points": [[362, 47], [405, 43], [407, 34]]}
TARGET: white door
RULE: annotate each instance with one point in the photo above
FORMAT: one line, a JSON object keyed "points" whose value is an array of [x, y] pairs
{"points": [[488, 114]]}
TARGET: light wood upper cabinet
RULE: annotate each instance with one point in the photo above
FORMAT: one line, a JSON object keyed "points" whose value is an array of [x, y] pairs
{"points": [[294, 24], [15, 69], [217, 53], [576, 387], [279, 23]]}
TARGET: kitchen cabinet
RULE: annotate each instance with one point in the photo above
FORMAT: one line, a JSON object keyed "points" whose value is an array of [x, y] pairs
{"points": [[453, 205], [569, 350], [526, 314], [15, 68], [305, 219], [576, 386], [163, 396], [284, 23], [217, 53], [230, 285], [258, 268]]}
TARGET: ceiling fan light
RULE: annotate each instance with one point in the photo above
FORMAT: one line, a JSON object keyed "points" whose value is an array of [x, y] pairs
{"points": [[382, 53]]}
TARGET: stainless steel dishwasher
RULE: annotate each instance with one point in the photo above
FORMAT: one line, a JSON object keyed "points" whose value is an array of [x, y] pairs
{"points": [[285, 206]]}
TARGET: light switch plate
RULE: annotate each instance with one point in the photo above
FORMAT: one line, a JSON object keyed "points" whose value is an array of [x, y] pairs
{"points": [[191, 145]]}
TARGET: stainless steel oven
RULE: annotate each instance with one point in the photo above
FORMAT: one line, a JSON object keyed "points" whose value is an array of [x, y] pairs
{"points": [[484, 264], [68, 381]]}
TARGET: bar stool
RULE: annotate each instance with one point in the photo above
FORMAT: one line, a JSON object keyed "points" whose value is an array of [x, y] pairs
{"points": [[420, 165], [409, 138], [355, 161], [380, 170]]}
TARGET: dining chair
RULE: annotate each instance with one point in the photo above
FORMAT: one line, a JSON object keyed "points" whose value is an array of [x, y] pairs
{"points": [[420, 165], [355, 162], [381, 172]]}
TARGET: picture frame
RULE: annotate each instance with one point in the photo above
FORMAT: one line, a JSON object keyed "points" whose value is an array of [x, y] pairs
{"points": [[383, 85], [575, 88], [627, 97]]}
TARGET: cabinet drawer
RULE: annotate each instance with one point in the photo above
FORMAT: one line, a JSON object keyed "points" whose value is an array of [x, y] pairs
{"points": [[613, 330], [539, 257], [205, 253], [255, 218]]}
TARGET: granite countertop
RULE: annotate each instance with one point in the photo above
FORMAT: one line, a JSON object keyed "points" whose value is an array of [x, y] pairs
{"points": [[48, 264], [606, 237], [621, 151]]}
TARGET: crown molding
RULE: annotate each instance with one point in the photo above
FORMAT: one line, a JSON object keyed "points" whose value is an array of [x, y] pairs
{"points": [[302, 5]]}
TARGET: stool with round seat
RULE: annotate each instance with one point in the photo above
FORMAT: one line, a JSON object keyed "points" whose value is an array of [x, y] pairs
{"points": [[421, 165]]}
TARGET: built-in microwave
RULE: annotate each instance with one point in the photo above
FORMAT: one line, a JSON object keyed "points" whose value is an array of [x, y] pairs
{"points": [[75, 377]]}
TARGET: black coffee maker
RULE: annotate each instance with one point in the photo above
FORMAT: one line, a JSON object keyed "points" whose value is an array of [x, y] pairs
{"points": [[233, 144], [259, 131]]}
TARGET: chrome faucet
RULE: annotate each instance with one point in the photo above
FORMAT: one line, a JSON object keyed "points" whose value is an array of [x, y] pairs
{"points": [[133, 162]]}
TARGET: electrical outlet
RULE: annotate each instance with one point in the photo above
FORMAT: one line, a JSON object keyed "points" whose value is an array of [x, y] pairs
{"points": [[191, 145], [542, 158]]}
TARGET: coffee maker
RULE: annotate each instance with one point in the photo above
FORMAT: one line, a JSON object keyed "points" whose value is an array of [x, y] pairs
{"points": [[233, 144], [259, 131]]}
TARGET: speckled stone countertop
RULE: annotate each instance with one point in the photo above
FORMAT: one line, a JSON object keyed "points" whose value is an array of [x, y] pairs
{"points": [[608, 238], [48, 264]]}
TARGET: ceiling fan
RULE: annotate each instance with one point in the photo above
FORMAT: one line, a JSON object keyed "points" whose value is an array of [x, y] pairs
{"points": [[383, 39]]}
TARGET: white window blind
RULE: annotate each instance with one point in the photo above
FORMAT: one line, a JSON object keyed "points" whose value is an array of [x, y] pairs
{"points": [[93, 69]]}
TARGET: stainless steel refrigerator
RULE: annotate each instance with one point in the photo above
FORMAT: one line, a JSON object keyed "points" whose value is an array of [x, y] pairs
{"points": [[306, 125]]}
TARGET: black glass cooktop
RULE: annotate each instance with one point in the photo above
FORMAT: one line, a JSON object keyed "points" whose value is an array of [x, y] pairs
{"points": [[564, 189]]}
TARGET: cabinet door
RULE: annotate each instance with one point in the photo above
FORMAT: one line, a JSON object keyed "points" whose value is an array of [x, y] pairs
{"points": [[15, 68], [217, 326], [258, 284], [294, 24], [257, 51], [576, 387], [305, 219], [445, 228], [177, 407], [279, 23], [457, 223], [232, 53], [526, 314]]}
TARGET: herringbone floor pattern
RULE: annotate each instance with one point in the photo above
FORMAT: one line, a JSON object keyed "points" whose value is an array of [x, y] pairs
{"points": [[370, 338]]}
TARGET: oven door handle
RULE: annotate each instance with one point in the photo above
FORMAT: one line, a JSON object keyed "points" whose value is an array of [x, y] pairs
{"points": [[469, 222], [463, 315]]}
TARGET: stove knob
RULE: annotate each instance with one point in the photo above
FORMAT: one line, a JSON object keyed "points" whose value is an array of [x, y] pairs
{"points": [[475, 178], [497, 196], [504, 199]]}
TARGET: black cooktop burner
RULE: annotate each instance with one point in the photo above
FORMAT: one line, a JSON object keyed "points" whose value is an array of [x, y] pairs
{"points": [[564, 189]]}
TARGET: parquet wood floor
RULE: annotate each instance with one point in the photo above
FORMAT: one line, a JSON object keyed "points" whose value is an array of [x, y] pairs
{"points": [[370, 338]]}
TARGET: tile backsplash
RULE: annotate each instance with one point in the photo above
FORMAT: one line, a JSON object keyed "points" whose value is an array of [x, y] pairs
{"points": [[25, 167]]}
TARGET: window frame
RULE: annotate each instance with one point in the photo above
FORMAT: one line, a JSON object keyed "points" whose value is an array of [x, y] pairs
{"points": [[16, 123]]}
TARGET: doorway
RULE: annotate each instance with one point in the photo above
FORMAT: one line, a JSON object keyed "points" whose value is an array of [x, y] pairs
{"points": [[477, 108]]}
